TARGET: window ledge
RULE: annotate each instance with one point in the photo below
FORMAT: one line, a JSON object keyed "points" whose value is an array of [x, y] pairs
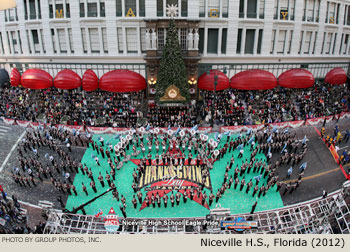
{"points": [[218, 19], [275, 21], [310, 23], [331, 25], [60, 20], [251, 20], [92, 19], [34, 21], [11, 24]]}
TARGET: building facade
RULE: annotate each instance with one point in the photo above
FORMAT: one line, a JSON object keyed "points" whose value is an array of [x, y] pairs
{"points": [[212, 33]]}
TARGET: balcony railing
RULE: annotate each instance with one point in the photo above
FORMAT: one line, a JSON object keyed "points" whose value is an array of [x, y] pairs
{"points": [[32, 16], [92, 14], [11, 19], [67, 15], [290, 18], [309, 19], [331, 21], [251, 15]]}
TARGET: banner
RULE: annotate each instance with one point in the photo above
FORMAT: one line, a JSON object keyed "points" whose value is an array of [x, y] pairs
{"points": [[204, 130], [282, 125], [94, 130]]}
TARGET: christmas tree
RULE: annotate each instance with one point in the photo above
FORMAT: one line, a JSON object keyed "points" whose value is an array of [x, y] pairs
{"points": [[172, 69]]}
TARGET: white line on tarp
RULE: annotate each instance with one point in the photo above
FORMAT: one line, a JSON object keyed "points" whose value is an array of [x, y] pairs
{"points": [[12, 150]]}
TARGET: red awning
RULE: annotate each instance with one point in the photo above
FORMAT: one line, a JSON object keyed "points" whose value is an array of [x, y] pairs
{"points": [[67, 79], [296, 78], [90, 80], [254, 79], [15, 77], [36, 79], [206, 82], [122, 81], [336, 76]]}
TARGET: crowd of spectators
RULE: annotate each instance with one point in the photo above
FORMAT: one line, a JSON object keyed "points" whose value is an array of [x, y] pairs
{"points": [[236, 107], [231, 107], [179, 116], [71, 107]]}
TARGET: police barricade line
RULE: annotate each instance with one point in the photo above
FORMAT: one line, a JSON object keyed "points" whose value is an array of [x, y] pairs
{"points": [[23, 211], [45, 204]]}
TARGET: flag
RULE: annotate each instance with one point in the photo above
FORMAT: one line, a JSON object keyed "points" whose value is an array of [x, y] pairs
{"points": [[148, 127], [239, 147], [195, 128], [177, 131], [274, 130], [86, 133], [216, 135], [269, 139], [290, 170], [66, 141], [100, 212], [92, 155], [74, 132], [257, 178], [285, 145], [251, 139], [269, 150], [227, 133], [303, 166], [117, 136], [286, 131], [46, 155], [169, 127], [249, 131], [304, 140]]}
